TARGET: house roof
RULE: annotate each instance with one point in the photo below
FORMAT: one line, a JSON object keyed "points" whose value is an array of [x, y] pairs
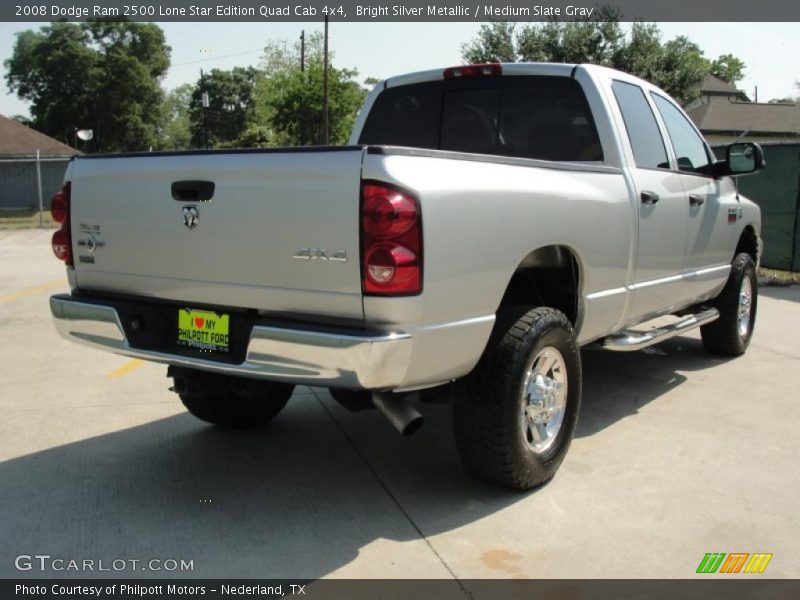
{"points": [[716, 86], [747, 116], [16, 138]]}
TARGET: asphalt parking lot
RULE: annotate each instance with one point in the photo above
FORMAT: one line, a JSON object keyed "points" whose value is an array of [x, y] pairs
{"points": [[677, 454]]}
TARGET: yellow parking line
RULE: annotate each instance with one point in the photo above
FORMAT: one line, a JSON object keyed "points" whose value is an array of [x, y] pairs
{"points": [[129, 366], [32, 290]]}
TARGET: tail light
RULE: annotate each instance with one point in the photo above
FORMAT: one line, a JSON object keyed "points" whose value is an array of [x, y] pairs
{"points": [[391, 241], [62, 239], [470, 71]]}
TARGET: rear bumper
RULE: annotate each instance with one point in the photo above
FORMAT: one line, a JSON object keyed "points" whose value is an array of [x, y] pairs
{"points": [[300, 356]]}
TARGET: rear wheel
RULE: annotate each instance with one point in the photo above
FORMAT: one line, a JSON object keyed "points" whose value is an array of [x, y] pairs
{"points": [[229, 401], [514, 415], [730, 335]]}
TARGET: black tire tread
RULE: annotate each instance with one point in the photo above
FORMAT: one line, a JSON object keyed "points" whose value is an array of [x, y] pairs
{"points": [[213, 398], [483, 438], [721, 336]]}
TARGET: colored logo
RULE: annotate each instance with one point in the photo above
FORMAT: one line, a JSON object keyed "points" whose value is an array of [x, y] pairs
{"points": [[735, 562]]}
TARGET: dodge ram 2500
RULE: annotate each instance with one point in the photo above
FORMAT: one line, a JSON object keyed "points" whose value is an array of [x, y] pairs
{"points": [[484, 223]]}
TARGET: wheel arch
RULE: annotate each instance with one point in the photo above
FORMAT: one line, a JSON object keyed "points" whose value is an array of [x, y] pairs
{"points": [[549, 276], [748, 243]]}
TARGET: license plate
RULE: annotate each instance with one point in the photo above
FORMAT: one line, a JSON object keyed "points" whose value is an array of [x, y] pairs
{"points": [[203, 330]]}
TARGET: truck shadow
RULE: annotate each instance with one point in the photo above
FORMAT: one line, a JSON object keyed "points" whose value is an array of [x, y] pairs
{"points": [[300, 498], [292, 500], [619, 384]]}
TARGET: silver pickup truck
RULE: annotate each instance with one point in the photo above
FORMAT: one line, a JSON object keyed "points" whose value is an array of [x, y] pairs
{"points": [[484, 223]]}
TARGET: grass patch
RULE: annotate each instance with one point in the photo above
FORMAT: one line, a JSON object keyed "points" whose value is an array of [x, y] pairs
{"points": [[776, 277], [25, 219]]}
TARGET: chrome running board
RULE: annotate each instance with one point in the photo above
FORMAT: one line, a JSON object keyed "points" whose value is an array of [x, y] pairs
{"points": [[627, 341]]}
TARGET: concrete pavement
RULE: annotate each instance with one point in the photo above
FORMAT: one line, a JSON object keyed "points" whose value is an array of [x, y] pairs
{"points": [[677, 454]]}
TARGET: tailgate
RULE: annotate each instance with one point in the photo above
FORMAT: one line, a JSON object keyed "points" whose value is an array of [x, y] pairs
{"points": [[237, 249]]}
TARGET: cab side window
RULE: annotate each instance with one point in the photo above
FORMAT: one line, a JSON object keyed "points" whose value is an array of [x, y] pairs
{"points": [[640, 122], [690, 149]]}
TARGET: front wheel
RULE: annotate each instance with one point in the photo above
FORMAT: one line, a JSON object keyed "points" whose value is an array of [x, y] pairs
{"points": [[730, 335], [228, 401], [515, 414]]}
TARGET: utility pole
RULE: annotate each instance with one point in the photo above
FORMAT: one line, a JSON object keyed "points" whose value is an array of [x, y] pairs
{"points": [[303, 51], [325, 138], [204, 101]]}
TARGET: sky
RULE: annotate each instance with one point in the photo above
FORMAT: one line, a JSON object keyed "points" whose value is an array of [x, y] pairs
{"points": [[380, 50]]}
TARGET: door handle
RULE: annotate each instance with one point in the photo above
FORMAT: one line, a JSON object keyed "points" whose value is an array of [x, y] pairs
{"points": [[192, 191], [696, 200], [649, 197]]}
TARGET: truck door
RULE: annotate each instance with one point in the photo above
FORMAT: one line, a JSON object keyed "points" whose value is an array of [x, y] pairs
{"points": [[713, 204], [662, 209]]}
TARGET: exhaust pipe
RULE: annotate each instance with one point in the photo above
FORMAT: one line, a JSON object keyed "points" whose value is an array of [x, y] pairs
{"points": [[398, 409]]}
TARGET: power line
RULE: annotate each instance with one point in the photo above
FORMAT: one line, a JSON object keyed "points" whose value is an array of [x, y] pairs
{"points": [[202, 60]]}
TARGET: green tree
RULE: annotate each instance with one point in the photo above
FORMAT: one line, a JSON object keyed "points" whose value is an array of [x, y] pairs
{"points": [[642, 54], [595, 41], [678, 65], [176, 127], [495, 42], [683, 68], [729, 68], [230, 106], [96, 75], [290, 100], [296, 104], [22, 120]]}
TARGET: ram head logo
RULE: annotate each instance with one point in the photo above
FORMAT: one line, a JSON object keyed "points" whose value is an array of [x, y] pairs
{"points": [[191, 216]]}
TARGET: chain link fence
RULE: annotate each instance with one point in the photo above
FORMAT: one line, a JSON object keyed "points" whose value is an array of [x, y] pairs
{"points": [[28, 182], [776, 190]]}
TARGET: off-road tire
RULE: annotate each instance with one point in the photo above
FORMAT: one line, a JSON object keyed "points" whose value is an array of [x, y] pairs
{"points": [[488, 404], [234, 402], [722, 336]]}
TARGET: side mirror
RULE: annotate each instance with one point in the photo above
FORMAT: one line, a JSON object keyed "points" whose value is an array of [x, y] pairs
{"points": [[743, 158]]}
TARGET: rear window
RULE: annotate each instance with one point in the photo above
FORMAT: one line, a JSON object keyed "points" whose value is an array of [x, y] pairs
{"points": [[545, 118]]}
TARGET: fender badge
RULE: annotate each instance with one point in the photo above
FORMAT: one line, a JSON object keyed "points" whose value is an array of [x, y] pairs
{"points": [[321, 254]]}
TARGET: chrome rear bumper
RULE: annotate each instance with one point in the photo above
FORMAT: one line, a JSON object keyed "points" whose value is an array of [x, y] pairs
{"points": [[301, 356]]}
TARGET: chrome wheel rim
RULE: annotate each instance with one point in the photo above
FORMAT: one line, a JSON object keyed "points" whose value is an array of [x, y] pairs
{"points": [[745, 307], [544, 399]]}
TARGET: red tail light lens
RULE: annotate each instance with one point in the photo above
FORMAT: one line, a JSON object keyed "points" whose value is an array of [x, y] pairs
{"points": [[391, 241], [59, 207], [61, 245], [62, 239], [469, 71], [392, 264], [387, 213]]}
